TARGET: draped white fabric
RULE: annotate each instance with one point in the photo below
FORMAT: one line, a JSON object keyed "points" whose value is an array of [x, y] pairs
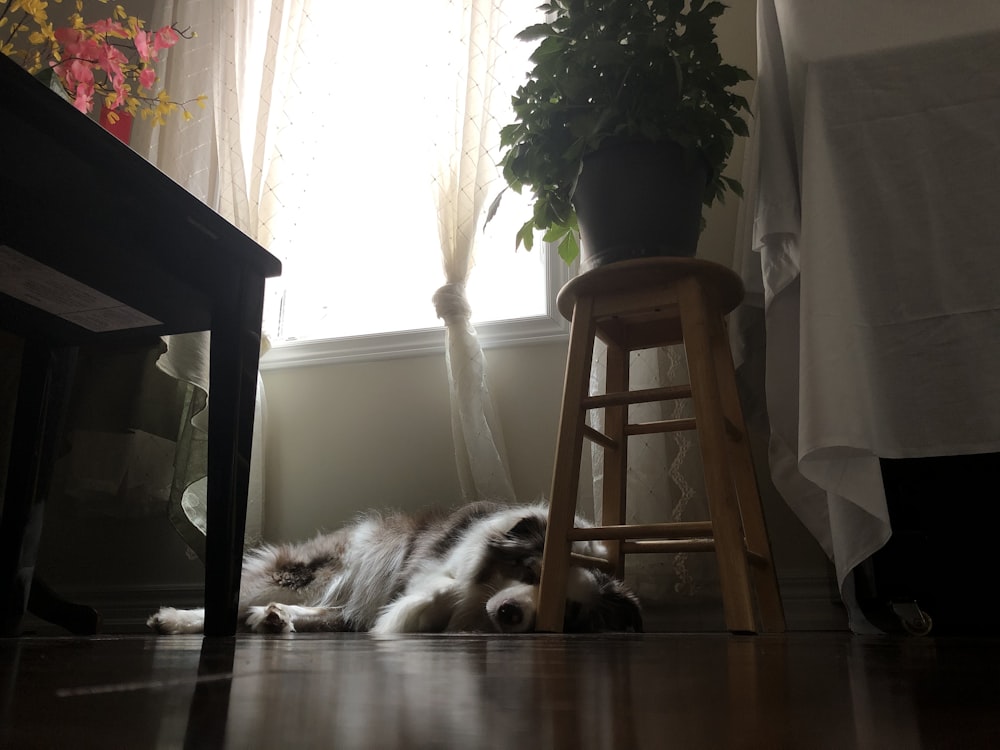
{"points": [[289, 134], [877, 258]]}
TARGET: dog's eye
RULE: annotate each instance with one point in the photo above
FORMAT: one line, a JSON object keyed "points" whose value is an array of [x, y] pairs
{"points": [[529, 576]]}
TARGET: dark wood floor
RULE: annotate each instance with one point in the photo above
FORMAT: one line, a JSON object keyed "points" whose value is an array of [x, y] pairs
{"points": [[813, 690]]}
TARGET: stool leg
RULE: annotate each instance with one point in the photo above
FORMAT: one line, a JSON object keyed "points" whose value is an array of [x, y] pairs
{"points": [[615, 459], [730, 545], [772, 616], [566, 473]]}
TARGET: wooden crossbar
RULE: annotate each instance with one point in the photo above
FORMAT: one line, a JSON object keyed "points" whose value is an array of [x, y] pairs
{"points": [[669, 546], [676, 530], [665, 425], [599, 437], [642, 396]]}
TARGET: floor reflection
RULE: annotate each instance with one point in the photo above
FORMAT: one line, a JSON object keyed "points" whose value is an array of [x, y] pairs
{"points": [[357, 691], [208, 713]]}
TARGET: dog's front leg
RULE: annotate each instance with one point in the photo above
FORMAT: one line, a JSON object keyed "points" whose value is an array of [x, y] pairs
{"points": [[170, 621], [425, 610], [295, 618]]}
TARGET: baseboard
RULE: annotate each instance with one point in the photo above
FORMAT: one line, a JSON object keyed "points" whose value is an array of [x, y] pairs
{"points": [[123, 609], [811, 604]]}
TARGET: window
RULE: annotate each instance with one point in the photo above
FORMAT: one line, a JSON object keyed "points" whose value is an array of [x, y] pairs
{"points": [[354, 219]]}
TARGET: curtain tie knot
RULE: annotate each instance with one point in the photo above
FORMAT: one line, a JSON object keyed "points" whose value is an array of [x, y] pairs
{"points": [[450, 303]]}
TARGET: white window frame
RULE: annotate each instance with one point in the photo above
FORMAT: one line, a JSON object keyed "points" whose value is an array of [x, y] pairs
{"points": [[414, 343]]}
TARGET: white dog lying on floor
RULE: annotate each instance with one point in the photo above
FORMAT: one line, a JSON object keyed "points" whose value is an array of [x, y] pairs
{"points": [[474, 568]]}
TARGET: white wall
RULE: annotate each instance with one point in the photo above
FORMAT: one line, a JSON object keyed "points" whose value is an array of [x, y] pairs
{"points": [[345, 437]]}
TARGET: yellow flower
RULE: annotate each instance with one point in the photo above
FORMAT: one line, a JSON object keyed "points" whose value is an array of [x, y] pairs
{"points": [[44, 34], [35, 8]]}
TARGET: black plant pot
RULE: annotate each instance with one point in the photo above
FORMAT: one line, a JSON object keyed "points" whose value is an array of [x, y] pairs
{"points": [[638, 199]]}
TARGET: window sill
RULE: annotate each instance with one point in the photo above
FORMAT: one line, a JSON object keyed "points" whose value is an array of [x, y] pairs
{"points": [[523, 331], [538, 330]]}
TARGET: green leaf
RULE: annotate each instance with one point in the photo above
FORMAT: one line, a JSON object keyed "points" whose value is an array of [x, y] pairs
{"points": [[533, 32], [526, 235], [550, 47], [714, 9], [555, 233], [492, 210], [569, 248], [733, 185], [739, 127]]}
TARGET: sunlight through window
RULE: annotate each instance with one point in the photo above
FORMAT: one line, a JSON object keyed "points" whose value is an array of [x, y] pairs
{"points": [[354, 219]]}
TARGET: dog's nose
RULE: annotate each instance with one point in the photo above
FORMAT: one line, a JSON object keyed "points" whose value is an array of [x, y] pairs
{"points": [[509, 614]]}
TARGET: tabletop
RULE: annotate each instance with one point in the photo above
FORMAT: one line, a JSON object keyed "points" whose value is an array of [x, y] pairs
{"points": [[94, 240]]}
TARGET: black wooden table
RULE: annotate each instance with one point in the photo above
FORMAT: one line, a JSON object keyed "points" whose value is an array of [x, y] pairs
{"points": [[97, 245]]}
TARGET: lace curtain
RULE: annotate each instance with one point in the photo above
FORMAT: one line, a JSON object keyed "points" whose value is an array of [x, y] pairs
{"points": [[466, 148], [664, 483], [215, 156], [269, 68]]}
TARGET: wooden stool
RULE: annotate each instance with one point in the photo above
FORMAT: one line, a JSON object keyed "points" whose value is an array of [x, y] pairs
{"points": [[642, 304]]}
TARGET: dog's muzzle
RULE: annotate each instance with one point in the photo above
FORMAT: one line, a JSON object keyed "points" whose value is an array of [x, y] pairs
{"points": [[512, 610], [510, 615]]}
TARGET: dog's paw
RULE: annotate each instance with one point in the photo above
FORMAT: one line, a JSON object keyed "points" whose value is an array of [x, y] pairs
{"points": [[416, 613], [273, 618], [171, 621]]}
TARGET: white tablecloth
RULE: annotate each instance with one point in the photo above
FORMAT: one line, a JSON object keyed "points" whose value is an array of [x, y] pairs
{"points": [[874, 170]]}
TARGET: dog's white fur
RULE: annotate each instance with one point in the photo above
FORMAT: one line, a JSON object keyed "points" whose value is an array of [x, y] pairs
{"points": [[472, 569]]}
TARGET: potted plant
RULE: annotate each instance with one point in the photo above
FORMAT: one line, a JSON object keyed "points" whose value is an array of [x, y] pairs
{"points": [[633, 86]]}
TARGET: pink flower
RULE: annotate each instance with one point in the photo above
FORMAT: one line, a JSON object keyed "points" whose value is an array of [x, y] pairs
{"points": [[142, 46], [84, 100], [76, 44], [110, 59], [108, 26], [113, 63], [166, 38], [147, 77]]}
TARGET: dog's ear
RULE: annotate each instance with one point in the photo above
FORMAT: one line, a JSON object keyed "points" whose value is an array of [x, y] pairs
{"points": [[617, 608], [528, 529], [627, 615], [633, 615], [527, 536]]}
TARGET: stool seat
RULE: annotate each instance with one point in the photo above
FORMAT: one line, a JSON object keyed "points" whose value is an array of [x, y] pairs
{"points": [[643, 304]]}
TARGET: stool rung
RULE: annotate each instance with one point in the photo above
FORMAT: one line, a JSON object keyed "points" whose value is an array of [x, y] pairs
{"points": [[588, 561], [642, 396], [675, 530], [665, 425], [599, 437], [757, 559], [669, 545]]}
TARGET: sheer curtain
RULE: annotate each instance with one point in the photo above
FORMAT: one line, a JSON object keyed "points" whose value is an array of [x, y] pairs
{"points": [[465, 178], [298, 92], [665, 482], [215, 156]]}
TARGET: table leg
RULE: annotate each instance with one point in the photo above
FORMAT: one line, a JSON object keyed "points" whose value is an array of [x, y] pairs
{"points": [[41, 398], [235, 353]]}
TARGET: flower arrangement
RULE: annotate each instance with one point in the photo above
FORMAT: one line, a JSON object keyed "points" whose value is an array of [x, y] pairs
{"points": [[110, 59]]}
